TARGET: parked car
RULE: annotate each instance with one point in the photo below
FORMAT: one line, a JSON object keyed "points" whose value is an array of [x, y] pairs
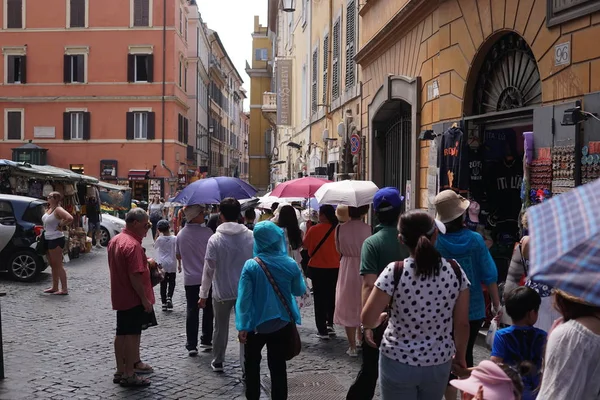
{"points": [[20, 225], [109, 228]]}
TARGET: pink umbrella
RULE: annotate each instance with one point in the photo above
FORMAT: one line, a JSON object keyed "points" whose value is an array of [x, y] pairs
{"points": [[301, 187]]}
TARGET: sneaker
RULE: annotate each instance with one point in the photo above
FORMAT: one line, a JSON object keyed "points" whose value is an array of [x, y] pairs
{"points": [[331, 331], [193, 352], [217, 367], [169, 304], [323, 336], [206, 346], [352, 352], [164, 307]]}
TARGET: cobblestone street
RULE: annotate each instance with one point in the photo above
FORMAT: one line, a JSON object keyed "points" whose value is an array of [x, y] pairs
{"points": [[62, 347]]}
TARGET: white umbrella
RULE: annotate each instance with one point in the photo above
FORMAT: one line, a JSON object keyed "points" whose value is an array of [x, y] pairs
{"points": [[349, 193], [267, 201]]}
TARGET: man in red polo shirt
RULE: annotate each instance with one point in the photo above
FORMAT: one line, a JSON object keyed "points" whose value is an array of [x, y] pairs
{"points": [[132, 297]]}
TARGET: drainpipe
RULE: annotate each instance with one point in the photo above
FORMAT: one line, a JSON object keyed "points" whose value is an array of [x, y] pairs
{"points": [[164, 88]]}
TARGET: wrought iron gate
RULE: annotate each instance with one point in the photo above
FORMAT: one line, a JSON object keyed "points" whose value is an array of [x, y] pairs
{"points": [[397, 162]]}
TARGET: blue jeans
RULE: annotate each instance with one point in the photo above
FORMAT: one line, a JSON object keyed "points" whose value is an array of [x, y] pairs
{"points": [[403, 381]]}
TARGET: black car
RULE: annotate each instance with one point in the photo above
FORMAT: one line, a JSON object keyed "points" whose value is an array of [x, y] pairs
{"points": [[20, 225]]}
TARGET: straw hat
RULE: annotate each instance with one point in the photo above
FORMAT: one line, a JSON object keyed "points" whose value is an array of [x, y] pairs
{"points": [[450, 206]]}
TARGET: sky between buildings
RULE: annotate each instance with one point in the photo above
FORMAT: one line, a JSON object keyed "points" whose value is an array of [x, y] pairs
{"points": [[234, 21]]}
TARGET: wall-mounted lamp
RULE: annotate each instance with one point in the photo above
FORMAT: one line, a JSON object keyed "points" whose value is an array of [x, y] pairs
{"points": [[278, 162], [289, 5], [574, 116], [294, 145], [428, 135]]}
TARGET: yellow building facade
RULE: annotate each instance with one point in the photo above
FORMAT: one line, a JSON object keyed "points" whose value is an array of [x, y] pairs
{"points": [[319, 40], [482, 65], [260, 139]]}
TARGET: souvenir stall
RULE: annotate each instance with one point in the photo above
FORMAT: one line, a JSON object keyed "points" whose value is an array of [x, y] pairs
{"points": [[504, 166], [113, 199], [38, 182]]}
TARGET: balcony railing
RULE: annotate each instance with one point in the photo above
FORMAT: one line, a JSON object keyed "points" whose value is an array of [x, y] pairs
{"points": [[269, 102]]}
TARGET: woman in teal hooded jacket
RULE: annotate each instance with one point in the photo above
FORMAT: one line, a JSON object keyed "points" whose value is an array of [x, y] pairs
{"points": [[260, 316]]}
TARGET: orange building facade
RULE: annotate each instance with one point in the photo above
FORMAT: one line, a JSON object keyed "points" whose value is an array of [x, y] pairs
{"points": [[101, 85]]}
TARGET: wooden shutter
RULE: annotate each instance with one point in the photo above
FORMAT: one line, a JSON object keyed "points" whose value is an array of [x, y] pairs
{"points": [[315, 80], [137, 13], [150, 67], [145, 12], [151, 126], [14, 125], [67, 69], [130, 68], [350, 43], [14, 14], [86, 126], [67, 126], [10, 78], [77, 14], [130, 126], [335, 67], [23, 69], [80, 68], [179, 128], [325, 67], [185, 130]]}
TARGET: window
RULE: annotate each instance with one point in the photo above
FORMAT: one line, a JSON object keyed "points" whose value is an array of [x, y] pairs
{"points": [[74, 69], [335, 68], [181, 20], [304, 91], [76, 125], [140, 68], [141, 12], [16, 67], [350, 43], [14, 18], [77, 13], [185, 29], [185, 78], [261, 54], [7, 216], [180, 73], [140, 125], [14, 124], [325, 66], [315, 80], [182, 129]]}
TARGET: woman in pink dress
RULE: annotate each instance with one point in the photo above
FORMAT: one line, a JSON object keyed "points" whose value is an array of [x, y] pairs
{"points": [[349, 238]]}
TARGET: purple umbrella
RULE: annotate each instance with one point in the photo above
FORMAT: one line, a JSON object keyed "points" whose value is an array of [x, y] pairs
{"points": [[213, 190]]}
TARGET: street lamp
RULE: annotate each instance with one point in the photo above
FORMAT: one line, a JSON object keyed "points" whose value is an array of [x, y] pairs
{"points": [[289, 5]]}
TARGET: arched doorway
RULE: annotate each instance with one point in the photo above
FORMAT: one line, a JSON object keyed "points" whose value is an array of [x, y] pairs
{"points": [[508, 78], [394, 119], [503, 92]]}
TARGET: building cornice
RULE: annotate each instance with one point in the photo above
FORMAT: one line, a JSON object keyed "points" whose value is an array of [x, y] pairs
{"points": [[91, 99], [404, 21]]}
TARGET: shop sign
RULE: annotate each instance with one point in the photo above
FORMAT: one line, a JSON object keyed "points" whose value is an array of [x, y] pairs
{"points": [[182, 179], [562, 54], [284, 92], [155, 188], [108, 168], [559, 11], [408, 193]]}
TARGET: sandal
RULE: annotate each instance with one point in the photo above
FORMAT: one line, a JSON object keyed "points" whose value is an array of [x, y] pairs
{"points": [[50, 290], [117, 377], [60, 293], [142, 368], [134, 381]]}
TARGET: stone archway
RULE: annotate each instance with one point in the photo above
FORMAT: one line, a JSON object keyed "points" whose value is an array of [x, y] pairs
{"points": [[504, 76], [394, 117]]}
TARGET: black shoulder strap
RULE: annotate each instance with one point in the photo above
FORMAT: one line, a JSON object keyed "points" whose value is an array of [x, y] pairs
{"points": [[322, 241], [398, 269], [457, 271], [275, 287]]}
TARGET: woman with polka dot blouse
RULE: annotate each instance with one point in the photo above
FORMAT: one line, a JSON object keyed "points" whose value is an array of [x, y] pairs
{"points": [[429, 299]]}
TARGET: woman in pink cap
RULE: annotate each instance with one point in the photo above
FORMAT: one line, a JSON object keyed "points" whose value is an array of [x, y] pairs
{"points": [[491, 381]]}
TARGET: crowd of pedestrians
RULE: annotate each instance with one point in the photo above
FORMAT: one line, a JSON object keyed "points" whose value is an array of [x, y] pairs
{"points": [[409, 293]]}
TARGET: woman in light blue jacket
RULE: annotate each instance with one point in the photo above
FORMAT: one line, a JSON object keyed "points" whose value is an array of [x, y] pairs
{"points": [[260, 316]]}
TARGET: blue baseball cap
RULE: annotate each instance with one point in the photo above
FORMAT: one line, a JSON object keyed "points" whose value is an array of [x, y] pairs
{"points": [[387, 198]]}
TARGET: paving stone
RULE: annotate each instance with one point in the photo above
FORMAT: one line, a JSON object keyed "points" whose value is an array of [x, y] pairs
{"points": [[61, 347]]}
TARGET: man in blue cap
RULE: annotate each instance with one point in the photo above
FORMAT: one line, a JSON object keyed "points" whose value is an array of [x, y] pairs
{"points": [[377, 252]]}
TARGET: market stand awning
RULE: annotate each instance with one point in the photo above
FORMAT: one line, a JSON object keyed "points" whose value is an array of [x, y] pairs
{"points": [[138, 174], [110, 186], [48, 172]]}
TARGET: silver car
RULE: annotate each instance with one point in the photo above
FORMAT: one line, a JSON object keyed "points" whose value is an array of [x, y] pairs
{"points": [[110, 226]]}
